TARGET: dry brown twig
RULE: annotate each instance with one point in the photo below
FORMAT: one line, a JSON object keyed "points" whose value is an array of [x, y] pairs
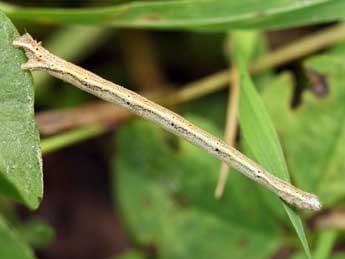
{"points": [[230, 127], [41, 59]]}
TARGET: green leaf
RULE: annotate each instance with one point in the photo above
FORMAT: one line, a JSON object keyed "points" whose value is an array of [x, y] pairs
{"points": [[164, 187], [314, 133], [10, 246], [325, 242], [260, 137], [220, 15], [20, 155], [36, 233]]}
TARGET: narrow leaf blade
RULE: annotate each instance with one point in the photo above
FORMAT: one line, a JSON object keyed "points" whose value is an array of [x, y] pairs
{"points": [[260, 136], [220, 15]]}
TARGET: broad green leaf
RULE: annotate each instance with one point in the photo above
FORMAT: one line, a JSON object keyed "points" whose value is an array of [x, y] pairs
{"points": [[165, 191], [314, 134], [20, 155], [260, 137], [10, 246], [220, 15]]}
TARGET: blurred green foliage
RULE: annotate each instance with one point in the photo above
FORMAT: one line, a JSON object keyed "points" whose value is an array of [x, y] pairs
{"points": [[11, 246], [164, 185], [164, 188]]}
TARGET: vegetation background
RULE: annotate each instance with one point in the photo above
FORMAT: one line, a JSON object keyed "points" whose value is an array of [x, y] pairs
{"points": [[116, 186]]}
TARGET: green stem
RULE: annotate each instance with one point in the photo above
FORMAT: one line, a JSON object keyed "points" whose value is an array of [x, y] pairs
{"points": [[68, 138]]}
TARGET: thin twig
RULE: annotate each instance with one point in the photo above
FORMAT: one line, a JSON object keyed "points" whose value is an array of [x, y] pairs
{"points": [[98, 113], [141, 60], [81, 41], [230, 128], [42, 60], [281, 56], [217, 81]]}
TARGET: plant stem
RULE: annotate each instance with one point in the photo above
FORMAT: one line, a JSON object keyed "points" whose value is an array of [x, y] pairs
{"points": [[96, 113], [81, 40], [300, 48], [219, 80], [293, 51], [230, 127], [69, 138]]}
